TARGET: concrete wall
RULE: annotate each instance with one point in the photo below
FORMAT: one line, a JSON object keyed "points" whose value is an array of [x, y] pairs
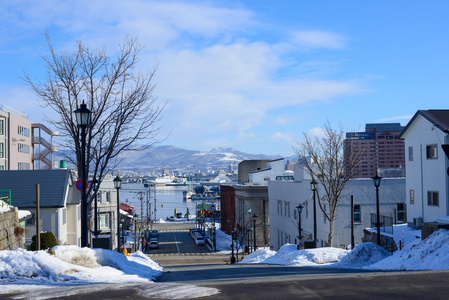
{"points": [[247, 166], [9, 221], [250, 201]]}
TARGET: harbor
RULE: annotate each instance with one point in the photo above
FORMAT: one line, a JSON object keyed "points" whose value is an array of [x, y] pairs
{"points": [[158, 202]]}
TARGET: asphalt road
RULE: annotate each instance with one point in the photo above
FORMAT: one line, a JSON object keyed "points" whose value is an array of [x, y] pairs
{"points": [[175, 239], [186, 264]]}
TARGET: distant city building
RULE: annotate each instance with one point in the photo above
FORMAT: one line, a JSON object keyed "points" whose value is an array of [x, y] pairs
{"points": [[384, 151], [22, 145]]}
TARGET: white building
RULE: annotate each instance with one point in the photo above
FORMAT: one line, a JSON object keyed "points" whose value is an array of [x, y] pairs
{"points": [[59, 202], [285, 196], [261, 177], [426, 165]]}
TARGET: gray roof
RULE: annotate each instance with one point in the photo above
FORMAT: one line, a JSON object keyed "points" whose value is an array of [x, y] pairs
{"points": [[22, 183], [438, 117]]}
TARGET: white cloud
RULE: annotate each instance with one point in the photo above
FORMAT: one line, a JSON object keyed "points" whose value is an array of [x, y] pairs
{"points": [[317, 132], [397, 118], [217, 80], [282, 121], [310, 39]]}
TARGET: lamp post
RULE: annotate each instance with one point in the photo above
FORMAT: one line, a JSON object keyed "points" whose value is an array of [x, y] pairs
{"points": [[376, 180], [299, 208], [83, 116], [94, 186], [313, 187], [117, 185], [135, 232], [232, 245], [254, 225]]}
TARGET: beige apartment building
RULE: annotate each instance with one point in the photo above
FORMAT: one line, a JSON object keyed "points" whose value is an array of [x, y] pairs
{"points": [[24, 145]]}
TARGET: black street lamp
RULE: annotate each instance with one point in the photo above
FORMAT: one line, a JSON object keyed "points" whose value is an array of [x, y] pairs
{"points": [[313, 187], [118, 185], [232, 245], [83, 116], [94, 187], [376, 180], [299, 208], [254, 225], [135, 233]]}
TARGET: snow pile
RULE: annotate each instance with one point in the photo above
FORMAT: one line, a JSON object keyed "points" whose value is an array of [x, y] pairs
{"points": [[429, 254], [258, 256], [45, 276], [77, 265], [362, 255], [288, 255]]}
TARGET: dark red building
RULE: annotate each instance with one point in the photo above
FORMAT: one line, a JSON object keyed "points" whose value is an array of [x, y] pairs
{"points": [[227, 196]]}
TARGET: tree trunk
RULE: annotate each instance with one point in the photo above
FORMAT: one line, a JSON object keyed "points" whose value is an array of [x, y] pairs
{"points": [[331, 232]]}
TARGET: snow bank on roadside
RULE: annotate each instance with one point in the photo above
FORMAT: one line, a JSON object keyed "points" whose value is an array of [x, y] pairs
{"points": [[362, 255], [429, 254]]}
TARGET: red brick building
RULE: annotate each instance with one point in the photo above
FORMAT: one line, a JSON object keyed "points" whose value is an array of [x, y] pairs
{"points": [[227, 196], [384, 152]]}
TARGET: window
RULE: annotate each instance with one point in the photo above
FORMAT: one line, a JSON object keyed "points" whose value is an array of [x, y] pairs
{"points": [[2, 127], [31, 220], [104, 222], [401, 212], [64, 216], [357, 214], [279, 208], [432, 198], [412, 196], [1, 150], [410, 153], [432, 151]]}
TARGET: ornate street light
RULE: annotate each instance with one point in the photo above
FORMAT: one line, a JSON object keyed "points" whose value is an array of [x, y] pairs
{"points": [[254, 225], [118, 185], [376, 181], [83, 116], [299, 208], [313, 187]]}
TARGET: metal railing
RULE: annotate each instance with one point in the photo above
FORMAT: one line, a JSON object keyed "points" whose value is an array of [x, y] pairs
{"points": [[386, 222]]}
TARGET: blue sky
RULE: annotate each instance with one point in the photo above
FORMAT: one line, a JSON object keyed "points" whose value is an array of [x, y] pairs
{"points": [[252, 75]]}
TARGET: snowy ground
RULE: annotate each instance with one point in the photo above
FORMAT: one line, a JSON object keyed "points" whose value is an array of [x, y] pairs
{"points": [[418, 255], [45, 276], [61, 274]]}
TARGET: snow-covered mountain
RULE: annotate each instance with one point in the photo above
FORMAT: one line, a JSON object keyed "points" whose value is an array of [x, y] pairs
{"points": [[158, 158], [171, 157]]}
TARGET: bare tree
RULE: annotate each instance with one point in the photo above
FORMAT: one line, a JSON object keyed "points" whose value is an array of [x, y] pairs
{"points": [[125, 111], [323, 158]]}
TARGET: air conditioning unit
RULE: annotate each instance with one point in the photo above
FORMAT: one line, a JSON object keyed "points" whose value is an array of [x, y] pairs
{"points": [[417, 222]]}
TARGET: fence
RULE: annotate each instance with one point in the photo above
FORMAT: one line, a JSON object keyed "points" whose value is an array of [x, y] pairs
{"points": [[386, 223]]}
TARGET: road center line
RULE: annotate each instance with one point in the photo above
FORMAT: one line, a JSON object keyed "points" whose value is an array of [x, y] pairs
{"points": [[176, 241]]}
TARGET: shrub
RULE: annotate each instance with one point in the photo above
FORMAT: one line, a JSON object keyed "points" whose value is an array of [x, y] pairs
{"points": [[48, 240]]}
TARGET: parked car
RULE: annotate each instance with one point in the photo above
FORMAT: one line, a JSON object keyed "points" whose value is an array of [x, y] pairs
{"points": [[154, 245], [193, 231], [154, 233], [171, 218], [199, 240]]}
